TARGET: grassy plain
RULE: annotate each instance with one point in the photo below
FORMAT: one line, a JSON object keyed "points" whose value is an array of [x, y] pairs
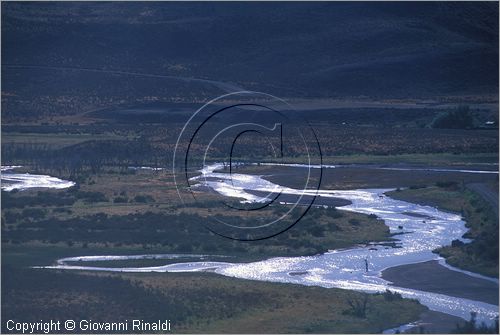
{"points": [[57, 140], [205, 302], [116, 210], [422, 159]]}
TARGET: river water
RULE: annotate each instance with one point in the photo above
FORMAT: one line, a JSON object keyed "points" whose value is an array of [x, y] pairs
{"points": [[424, 229], [23, 181]]}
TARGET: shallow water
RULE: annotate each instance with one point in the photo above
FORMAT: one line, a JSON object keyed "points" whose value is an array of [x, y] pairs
{"points": [[346, 269], [23, 181]]}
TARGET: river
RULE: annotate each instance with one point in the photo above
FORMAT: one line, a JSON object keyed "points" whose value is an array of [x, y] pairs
{"points": [[424, 229], [22, 181]]}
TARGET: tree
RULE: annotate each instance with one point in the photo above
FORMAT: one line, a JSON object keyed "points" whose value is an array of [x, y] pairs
{"points": [[460, 118], [358, 306], [471, 327]]}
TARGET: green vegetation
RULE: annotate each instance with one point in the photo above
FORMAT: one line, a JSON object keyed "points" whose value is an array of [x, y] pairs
{"points": [[460, 118], [143, 198], [57, 140], [481, 255], [29, 221], [472, 327], [117, 210], [141, 211], [431, 159], [87, 149], [76, 106], [200, 302], [443, 159], [41, 226]]}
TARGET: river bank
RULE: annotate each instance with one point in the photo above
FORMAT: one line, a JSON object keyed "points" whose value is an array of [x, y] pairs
{"points": [[346, 268], [419, 230], [432, 277], [23, 181]]}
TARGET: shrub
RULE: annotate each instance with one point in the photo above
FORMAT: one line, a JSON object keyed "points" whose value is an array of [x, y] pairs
{"points": [[61, 210], [143, 198], [335, 213], [34, 213], [446, 184], [120, 200], [354, 222], [457, 243], [391, 296], [460, 118], [317, 231], [472, 327], [91, 196], [358, 306]]}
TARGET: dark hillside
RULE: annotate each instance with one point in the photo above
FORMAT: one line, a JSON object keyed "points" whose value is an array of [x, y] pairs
{"points": [[289, 49]]}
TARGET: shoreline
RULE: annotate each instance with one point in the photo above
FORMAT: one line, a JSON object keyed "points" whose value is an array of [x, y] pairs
{"points": [[431, 276], [429, 322]]}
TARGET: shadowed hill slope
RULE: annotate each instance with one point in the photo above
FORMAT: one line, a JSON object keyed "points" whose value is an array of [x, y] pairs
{"points": [[289, 49]]}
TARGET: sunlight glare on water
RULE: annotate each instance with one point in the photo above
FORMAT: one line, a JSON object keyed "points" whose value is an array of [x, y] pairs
{"points": [[424, 229]]}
